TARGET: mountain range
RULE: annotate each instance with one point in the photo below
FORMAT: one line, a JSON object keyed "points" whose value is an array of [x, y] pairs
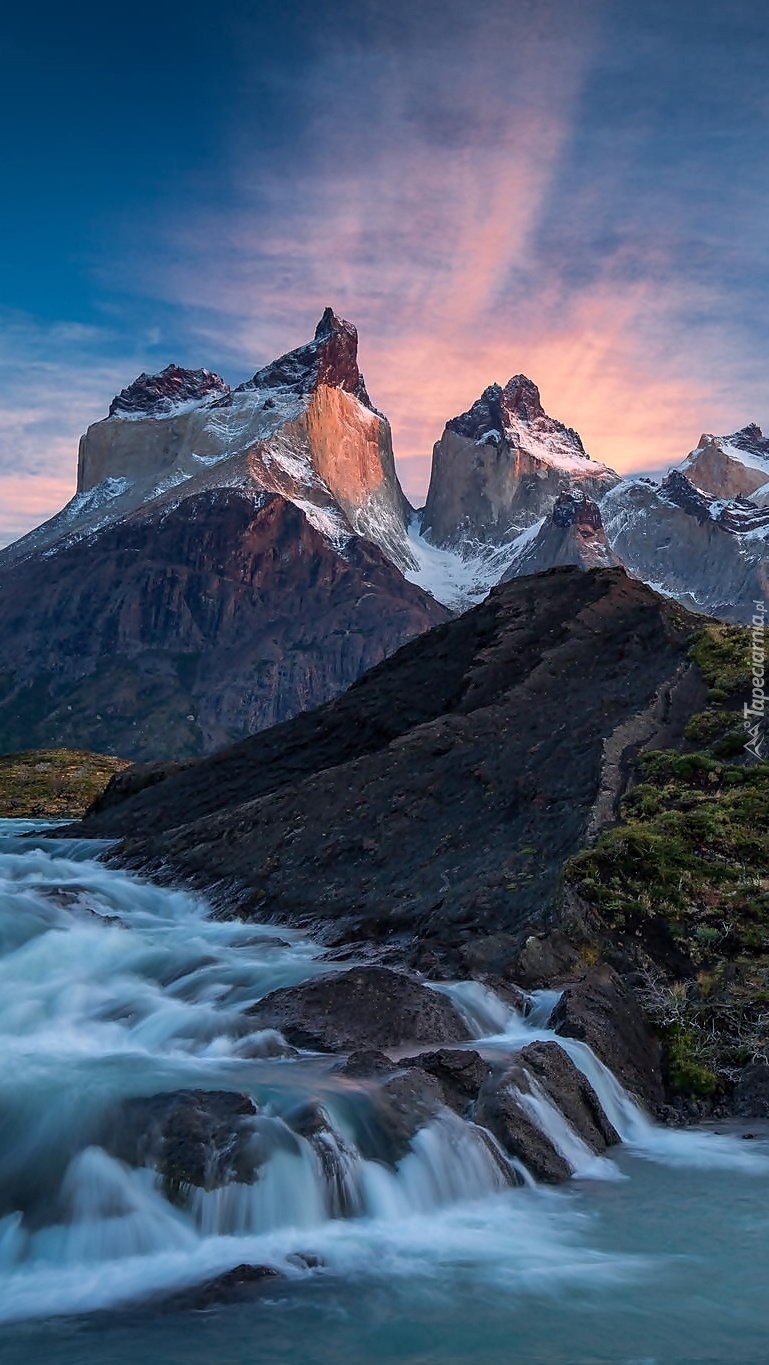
{"points": [[233, 557]]}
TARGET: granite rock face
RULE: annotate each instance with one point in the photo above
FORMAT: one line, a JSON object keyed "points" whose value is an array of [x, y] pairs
{"points": [[735, 466], [572, 533], [500, 467], [169, 635]]}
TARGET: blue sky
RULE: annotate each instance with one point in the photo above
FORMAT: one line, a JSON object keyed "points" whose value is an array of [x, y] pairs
{"points": [[577, 189]]}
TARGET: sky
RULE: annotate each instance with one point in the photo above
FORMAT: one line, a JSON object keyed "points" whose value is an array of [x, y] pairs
{"points": [[573, 189]]}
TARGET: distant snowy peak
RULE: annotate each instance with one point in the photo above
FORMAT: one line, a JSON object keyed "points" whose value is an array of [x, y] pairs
{"points": [[330, 359], [173, 390], [735, 466], [711, 554]]}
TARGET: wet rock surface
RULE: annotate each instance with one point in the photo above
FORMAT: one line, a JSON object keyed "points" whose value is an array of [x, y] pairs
{"points": [[602, 1012], [504, 1112], [366, 1007], [200, 1138], [460, 1073]]}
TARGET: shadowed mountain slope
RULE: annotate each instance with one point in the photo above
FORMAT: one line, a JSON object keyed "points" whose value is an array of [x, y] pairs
{"points": [[432, 807]]}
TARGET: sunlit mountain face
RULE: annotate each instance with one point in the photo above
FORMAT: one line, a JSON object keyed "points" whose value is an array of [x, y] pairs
{"points": [[487, 190]]}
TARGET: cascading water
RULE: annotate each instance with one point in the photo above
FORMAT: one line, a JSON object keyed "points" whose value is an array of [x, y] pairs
{"points": [[113, 991]]}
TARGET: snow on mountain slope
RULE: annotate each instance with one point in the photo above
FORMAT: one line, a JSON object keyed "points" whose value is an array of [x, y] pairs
{"points": [[711, 554], [461, 577], [303, 427]]}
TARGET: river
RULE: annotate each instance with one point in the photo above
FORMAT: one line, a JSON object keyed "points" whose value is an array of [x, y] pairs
{"points": [[112, 988]]}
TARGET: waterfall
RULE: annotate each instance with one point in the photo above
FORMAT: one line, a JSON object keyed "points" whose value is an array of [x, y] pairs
{"points": [[112, 991]]}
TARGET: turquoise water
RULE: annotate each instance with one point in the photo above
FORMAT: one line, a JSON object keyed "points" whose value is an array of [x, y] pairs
{"points": [[110, 987]]}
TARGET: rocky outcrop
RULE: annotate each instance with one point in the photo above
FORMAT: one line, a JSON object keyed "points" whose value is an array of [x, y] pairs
{"points": [[169, 635], [600, 1011], [418, 812], [500, 467], [192, 1138], [572, 533], [330, 359], [460, 1073], [710, 555], [509, 1105], [366, 1007]]}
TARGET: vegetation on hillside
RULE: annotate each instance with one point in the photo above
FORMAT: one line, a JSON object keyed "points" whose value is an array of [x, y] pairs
{"points": [[53, 783], [681, 883]]}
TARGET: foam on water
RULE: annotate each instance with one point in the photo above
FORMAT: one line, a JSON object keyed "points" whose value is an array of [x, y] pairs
{"points": [[112, 988]]}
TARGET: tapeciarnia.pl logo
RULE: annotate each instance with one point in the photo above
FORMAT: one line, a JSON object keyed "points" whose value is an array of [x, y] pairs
{"points": [[754, 711]]}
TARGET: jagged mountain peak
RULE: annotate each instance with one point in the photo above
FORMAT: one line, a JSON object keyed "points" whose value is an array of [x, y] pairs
{"points": [[159, 395], [331, 359], [575, 508], [573, 533], [514, 414]]}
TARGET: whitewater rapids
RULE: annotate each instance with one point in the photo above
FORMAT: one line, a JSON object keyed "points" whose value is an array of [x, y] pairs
{"points": [[112, 988]]}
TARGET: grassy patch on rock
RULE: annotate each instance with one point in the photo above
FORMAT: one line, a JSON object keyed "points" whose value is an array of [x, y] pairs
{"points": [[680, 885], [52, 783]]}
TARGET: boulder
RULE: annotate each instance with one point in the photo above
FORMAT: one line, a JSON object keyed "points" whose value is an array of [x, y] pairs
{"points": [[601, 1011], [232, 1286], [460, 1073], [545, 960], [571, 1092], [396, 1100], [200, 1138], [366, 1007], [501, 1109]]}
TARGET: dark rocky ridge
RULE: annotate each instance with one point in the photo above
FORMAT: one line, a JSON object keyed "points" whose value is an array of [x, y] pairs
{"points": [[172, 635], [431, 809], [493, 414], [157, 394]]}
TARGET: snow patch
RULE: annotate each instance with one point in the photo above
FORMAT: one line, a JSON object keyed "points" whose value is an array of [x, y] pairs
{"points": [[461, 577]]}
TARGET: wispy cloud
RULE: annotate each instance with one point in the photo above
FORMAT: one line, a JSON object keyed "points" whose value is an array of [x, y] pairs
{"points": [[537, 187], [54, 381]]}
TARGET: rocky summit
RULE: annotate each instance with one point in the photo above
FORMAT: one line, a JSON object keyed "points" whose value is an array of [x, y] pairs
{"points": [[499, 467]]}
